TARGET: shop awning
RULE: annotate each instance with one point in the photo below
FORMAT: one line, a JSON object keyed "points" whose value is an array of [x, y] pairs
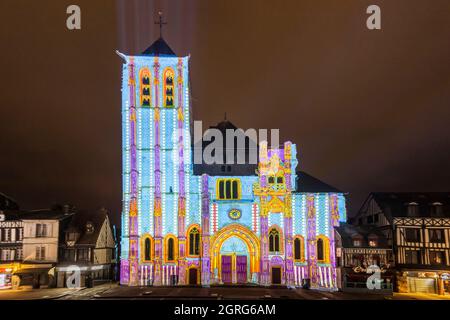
{"points": [[32, 271]]}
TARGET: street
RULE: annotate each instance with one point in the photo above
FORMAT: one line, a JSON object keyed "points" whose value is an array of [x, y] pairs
{"points": [[116, 292]]}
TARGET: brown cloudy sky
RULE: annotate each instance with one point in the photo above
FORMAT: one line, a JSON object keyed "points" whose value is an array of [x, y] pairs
{"points": [[369, 110]]}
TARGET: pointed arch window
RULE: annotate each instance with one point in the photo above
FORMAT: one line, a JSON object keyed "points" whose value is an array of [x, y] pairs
{"points": [[169, 80], [194, 242], [320, 250], [274, 241], [323, 249], [299, 251], [145, 88], [146, 248], [170, 249]]}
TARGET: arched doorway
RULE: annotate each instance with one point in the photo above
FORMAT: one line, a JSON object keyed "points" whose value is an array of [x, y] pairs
{"points": [[193, 276], [235, 255], [234, 261]]}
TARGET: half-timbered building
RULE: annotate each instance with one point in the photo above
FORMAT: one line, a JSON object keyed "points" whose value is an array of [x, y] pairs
{"points": [[362, 251], [418, 227], [11, 235]]}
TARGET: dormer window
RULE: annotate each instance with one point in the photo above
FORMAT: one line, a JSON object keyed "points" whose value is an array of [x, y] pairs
{"points": [[413, 209], [373, 241], [436, 209], [89, 227], [357, 241]]}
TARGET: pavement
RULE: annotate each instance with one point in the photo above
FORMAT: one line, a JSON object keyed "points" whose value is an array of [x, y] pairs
{"points": [[112, 291]]}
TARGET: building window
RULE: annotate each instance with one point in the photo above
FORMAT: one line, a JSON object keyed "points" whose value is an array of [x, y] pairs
{"points": [[437, 257], [436, 209], [299, 249], [376, 218], [376, 259], [6, 235], [228, 189], [83, 254], [357, 240], [41, 230], [320, 250], [357, 260], [40, 253], [69, 255], [370, 219], [145, 87], [412, 257], [170, 249], [72, 236], [168, 88], [437, 235], [413, 209], [323, 254], [274, 241], [412, 234], [194, 242], [146, 248], [277, 181], [373, 240]]}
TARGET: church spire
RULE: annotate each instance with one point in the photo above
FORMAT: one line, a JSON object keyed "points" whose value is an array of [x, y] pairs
{"points": [[161, 23], [159, 47]]}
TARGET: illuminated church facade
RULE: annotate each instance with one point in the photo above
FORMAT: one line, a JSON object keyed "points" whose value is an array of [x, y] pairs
{"points": [[184, 224]]}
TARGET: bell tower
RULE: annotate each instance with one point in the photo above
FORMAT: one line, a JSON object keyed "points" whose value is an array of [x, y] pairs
{"points": [[156, 151]]}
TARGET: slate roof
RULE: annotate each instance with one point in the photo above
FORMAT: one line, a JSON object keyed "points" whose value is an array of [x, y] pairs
{"points": [[7, 203], [12, 215], [308, 183], [46, 214], [395, 204], [235, 169], [159, 48], [305, 182], [79, 222], [348, 232]]}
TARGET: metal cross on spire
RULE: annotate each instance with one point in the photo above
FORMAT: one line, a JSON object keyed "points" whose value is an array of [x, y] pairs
{"points": [[161, 23]]}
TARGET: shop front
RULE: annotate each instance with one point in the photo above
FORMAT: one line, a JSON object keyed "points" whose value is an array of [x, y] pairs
{"points": [[434, 282], [7, 279], [444, 283], [36, 276]]}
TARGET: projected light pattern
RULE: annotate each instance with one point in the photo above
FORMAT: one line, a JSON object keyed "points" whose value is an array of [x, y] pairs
{"points": [[180, 220]]}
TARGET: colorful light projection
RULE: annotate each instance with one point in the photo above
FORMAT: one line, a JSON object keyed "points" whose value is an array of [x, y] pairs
{"points": [[163, 201]]}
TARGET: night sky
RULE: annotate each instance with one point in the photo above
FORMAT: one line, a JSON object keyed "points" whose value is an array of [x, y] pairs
{"points": [[369, 110]]}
